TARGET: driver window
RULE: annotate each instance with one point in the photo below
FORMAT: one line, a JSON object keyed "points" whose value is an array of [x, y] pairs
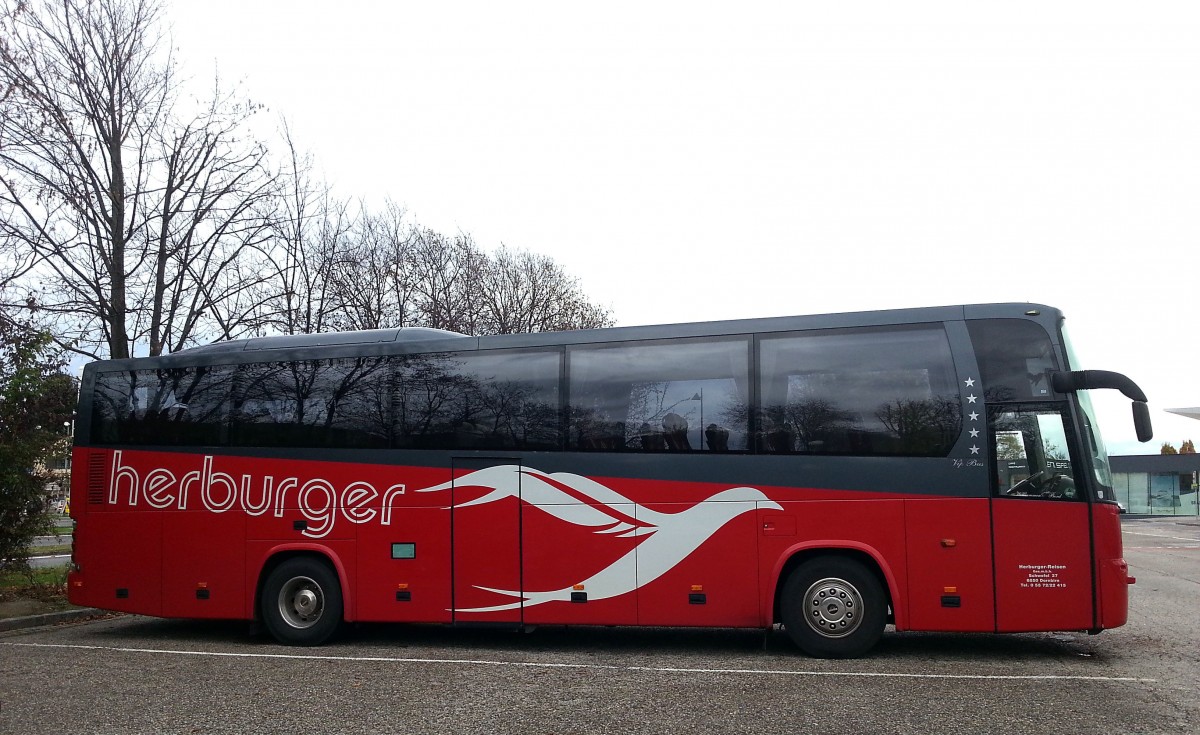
{"points": [[1031, 457]]}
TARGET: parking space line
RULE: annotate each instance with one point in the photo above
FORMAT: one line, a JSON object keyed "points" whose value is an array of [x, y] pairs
{"points": [[1159, 535], [651, 669]]}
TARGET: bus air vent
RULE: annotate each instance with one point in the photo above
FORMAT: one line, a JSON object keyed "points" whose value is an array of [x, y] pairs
{"points": [[95, 478]]}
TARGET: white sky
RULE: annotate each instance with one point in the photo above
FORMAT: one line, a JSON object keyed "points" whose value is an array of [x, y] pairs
{"points": [[692, 161]]}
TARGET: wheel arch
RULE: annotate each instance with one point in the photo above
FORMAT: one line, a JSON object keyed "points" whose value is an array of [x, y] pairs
{"points": [[866, 555], [280, 554]]}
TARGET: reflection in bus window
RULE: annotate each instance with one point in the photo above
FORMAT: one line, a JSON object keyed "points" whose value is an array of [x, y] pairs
{"points": [[167, 406], [863, 392], [334, 403], [1015, 358], [670, 397], [505, 400]]}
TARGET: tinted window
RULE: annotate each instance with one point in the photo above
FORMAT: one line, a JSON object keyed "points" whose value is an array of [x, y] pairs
{"points": [[176, 406], [314, 403], [479, 401], [667, 396], [1032, 460], [865, 392], [1015, 357]]}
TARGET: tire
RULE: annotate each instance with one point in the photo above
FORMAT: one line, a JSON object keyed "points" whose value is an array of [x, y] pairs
{"points": [[833, 607], [302, 602]]}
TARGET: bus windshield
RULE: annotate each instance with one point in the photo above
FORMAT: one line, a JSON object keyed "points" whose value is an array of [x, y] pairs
{"points": [[1091, 432]]}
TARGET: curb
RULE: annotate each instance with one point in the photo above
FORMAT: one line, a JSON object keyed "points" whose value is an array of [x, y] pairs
{"points": [[34, 621]]}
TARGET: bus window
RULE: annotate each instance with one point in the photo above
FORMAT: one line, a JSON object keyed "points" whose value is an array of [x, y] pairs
{"points": [[666, 396], [314, 403], [864, 392], [1015, 358], [501, 400], [1031, 454], [167, 406]]}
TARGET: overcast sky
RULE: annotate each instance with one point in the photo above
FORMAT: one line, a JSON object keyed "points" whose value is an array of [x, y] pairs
{"points": [[692, 161]]}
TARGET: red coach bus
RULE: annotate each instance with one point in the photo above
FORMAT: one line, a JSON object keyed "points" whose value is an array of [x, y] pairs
{"points": [[937, 469]]}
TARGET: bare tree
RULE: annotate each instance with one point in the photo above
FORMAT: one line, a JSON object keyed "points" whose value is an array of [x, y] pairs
{"points": [[525, 292], [379, 279], [133, 216], [447, 271], [311, 236], [392, 274]]}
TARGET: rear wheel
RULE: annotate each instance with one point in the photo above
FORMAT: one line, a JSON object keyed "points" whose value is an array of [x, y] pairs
{"points": [[833, 607], [302, 602]]}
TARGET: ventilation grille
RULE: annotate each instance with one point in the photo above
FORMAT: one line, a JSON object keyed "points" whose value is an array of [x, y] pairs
{"points": [[95, 478]]}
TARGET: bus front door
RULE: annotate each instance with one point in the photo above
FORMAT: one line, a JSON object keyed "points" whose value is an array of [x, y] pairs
{"points": [[1040, 524], [486, 531]]}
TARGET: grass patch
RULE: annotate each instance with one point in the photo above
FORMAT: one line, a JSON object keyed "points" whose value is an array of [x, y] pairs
{"points": [[50, 550], [45, 584]]}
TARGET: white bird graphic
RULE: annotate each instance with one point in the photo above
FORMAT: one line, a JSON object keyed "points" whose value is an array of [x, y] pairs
{"points": [[584, 502]]}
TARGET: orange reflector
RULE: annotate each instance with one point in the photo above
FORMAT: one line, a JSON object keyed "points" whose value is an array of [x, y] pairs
{"points": [[77, 583], [402, 586], [697, 588], [577, 587], [949, 543], [950, 590], [202, 585]]}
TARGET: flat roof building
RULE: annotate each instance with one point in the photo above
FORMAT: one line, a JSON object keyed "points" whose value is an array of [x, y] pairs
{"points": [[1157, 484]]}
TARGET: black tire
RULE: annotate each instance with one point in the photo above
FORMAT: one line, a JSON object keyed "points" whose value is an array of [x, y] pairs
{"points": [[833, 607], [302, 602]]}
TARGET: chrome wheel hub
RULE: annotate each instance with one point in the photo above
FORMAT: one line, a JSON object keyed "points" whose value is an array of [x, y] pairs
{"points": [[833, 607], [301, 602]]}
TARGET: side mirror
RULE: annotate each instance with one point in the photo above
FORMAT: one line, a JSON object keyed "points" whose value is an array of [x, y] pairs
{"points": [[1076, 380], [1141, 421]]}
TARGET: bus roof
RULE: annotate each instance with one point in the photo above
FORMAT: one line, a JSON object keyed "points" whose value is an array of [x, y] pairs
{"points": [[422, 339]]}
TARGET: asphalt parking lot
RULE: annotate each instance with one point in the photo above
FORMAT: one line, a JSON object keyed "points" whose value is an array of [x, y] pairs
{"points": [[133, 674]]}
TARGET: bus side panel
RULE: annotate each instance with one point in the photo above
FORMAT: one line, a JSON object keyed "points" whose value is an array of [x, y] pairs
{"points": [[1043, 565], [119, 553], [950, 564], [591, 564], [404, 567], [873, 527], [204, 564], [715, 583], [1111, 570]]}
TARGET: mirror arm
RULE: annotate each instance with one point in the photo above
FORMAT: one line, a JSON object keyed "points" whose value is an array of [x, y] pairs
{"points": [[1076, 380], [1071, 381]]}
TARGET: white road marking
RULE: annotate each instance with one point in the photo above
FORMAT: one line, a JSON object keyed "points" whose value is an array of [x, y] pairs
{"points": [[1163, 548], [533, 664], [1158, 535]]}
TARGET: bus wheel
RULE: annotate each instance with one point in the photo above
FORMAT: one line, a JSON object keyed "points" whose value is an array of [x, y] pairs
{"points": [[302, 602], [833, 607]]}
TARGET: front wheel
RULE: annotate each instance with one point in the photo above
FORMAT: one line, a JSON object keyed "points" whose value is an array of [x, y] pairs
{"points": [[302, 602], [833, 607]]}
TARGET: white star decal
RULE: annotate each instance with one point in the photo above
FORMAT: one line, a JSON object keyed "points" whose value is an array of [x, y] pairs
{"points": [[974, 416], [970, 382], [971, 398], [974, 450], [974, 433]]}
